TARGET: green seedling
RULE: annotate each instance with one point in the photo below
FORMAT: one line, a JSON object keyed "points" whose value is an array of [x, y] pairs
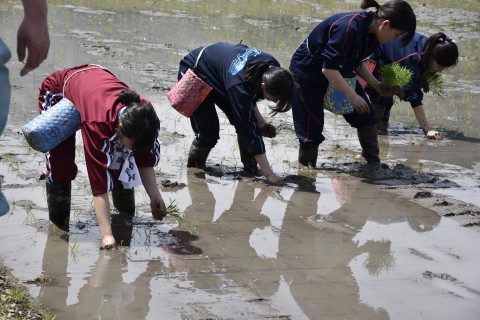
{"points": [[436, 84], [395, 75], [173, 210]]}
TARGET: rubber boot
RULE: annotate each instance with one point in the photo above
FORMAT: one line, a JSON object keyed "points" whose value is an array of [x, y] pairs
{"points": [[248, 159], [308, 157], [367, 136], [58, 201], [197, 157], [383, 116], [123, 199]]}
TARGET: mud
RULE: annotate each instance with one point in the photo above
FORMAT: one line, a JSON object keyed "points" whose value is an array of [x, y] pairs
{"points": [[338, 242]]}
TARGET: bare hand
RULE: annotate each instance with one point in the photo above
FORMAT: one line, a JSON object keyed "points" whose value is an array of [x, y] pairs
{"points": [[389, 91], [360, 105], [32, 37], [274, 179], [159, 210], [269, 130], [432, 134], [108, 243]]}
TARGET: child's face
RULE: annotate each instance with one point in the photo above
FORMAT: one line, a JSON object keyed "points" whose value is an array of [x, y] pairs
{"points": [[126, 141], [267, 95], [386, 33], [435, 67]]}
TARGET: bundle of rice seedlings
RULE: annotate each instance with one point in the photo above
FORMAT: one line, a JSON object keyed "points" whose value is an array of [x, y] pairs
{"points": [[435, 83], [396, 75]]}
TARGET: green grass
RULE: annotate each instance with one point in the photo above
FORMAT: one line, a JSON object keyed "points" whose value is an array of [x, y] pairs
{"points": [[16, 302]]}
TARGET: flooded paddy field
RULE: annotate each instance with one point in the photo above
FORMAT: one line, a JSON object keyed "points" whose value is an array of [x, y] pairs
{"points": [[332, 243]]}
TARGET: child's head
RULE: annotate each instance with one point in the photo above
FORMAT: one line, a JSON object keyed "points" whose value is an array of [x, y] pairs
{"points": [[440, 52], [138, 122], [276, 84], [395, 16]]}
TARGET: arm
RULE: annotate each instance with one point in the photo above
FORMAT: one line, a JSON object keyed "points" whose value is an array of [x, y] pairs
{"points": [[32, 35], [336, 79], [423, 122], [150, 183], [267, 170], [260, 120], [366, 75], [102, 211]]}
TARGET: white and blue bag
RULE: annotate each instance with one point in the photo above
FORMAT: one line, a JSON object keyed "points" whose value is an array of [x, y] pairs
{"points": [[52, 126]]}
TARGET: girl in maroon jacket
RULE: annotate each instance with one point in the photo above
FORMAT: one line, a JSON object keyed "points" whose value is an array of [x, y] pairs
{"points": [[119, 131]]}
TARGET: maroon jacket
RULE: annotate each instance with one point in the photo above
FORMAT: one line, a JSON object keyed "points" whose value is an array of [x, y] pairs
{"points": [[94, 93]]}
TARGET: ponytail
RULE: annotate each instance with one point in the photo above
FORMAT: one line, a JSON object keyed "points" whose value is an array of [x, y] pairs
{"points": [[278, 83], [139, 120], [442, 49], [398, 12], [127, 96]]}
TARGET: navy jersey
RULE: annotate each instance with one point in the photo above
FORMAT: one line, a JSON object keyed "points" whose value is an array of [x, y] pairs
{"points": [[410, 57], [340, 43], [222, 66]]}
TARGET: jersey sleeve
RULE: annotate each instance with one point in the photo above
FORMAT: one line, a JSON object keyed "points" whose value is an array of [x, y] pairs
{"points": [[244, 118], [341, 41]]}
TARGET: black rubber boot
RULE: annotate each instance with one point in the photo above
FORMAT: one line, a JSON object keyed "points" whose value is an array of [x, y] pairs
{"points": [[308, 157], [248, 159], [369, 141], [383, 116], [58, 201], [123, 199], [197, 157]]}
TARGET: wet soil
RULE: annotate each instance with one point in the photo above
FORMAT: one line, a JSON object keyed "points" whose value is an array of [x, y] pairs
{"points": [[336, 242]]}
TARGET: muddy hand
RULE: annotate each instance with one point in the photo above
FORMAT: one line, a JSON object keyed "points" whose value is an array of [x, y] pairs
{"points": [[274, 179], [269, 131], [108, 243], [159, 210]]}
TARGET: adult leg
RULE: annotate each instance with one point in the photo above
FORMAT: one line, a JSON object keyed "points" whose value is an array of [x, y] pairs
{"points": [[5, 91], [308, 119]]}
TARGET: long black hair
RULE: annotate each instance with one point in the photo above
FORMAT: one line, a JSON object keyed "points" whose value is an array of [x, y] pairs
{"points": [[278, 83], [139, 120], [398, 12], [442, 49]]}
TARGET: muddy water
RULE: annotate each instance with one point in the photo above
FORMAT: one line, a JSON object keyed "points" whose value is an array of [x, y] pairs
{"points": [[328, 245]]}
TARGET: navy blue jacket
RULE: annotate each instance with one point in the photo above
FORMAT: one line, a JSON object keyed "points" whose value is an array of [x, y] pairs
{"points": [[222, 67], [340, 43], [410, 57]]}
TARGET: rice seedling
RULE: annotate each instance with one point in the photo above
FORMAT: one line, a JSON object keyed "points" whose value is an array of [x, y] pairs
{"points": [[175, 212], [74, 250], [395, 75], [436, 84]]}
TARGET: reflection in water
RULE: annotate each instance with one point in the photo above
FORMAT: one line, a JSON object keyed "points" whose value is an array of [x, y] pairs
{"points": [[301, 269]]}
